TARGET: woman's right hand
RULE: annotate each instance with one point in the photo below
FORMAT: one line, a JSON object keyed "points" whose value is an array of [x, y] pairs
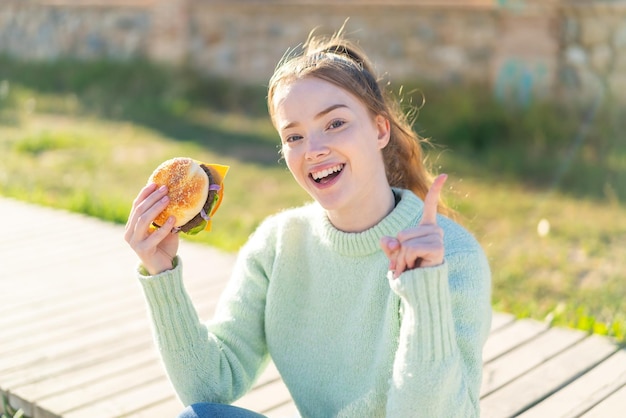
{"points": [[156, 248]]}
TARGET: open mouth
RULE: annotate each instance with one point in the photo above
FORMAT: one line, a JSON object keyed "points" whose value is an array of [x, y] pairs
{"points": [[324, 176]]}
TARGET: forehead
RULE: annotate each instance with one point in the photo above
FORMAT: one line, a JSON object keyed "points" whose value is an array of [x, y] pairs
{"points": [[307, 96]]}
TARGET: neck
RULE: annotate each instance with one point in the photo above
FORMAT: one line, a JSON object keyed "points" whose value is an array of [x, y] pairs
{"points": [[364, 214]]}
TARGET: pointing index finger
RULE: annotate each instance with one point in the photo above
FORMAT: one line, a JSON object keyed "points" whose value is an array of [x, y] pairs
{"points": [[429, 217]]}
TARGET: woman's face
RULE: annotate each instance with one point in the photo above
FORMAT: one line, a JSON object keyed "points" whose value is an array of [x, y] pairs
{"points": [[332, 145]]}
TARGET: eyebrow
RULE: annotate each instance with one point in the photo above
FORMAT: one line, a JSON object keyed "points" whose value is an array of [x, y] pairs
{"points": [[319, 115]]}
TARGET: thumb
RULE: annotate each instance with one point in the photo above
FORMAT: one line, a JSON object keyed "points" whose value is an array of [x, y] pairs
{"points": [[390, 247]]}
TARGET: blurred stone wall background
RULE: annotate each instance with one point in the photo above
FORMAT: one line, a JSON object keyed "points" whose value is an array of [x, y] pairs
{"points": [[522, 49]]}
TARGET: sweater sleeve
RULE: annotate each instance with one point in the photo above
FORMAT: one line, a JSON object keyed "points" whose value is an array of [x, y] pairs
{"points": [[216, 361], [446, 316]]}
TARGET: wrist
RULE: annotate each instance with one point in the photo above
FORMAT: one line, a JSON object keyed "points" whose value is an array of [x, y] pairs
{"points": [[159, 268]]}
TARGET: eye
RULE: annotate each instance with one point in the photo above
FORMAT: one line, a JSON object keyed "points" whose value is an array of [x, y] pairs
{"points": [[293, 138], [336, 123]]}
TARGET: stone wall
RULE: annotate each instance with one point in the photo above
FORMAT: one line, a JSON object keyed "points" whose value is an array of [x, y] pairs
{"points": [[521, 49], [433, 43], [593, 50], [46, 30]]}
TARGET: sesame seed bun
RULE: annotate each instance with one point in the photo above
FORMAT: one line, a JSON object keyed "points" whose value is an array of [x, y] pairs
{"points": [[188, 189]]}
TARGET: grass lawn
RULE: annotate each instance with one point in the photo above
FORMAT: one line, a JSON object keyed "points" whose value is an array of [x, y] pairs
{"points": [[542, 188]]}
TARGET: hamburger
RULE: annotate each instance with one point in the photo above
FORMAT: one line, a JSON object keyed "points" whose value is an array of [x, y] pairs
{"points": [[195, 190]]}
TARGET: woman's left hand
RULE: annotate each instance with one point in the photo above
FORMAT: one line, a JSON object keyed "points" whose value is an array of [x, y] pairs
{"points": [[421, 246]]}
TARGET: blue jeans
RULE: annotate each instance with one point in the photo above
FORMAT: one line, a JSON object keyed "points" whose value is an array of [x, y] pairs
{"points": [[216, 410]]}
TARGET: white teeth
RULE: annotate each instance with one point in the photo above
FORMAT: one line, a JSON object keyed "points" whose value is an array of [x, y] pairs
{"points": [[327, 172]]}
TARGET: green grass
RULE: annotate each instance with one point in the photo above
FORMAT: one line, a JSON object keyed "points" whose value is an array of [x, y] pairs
{"points": [[9, 412], [86, 136], [96, 167]]}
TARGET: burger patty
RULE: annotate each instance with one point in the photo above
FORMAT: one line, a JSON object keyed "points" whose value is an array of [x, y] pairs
{"points": [[198, 219]]}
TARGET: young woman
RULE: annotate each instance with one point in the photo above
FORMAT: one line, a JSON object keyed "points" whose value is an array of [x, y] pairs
{"points": [[368, 301]]}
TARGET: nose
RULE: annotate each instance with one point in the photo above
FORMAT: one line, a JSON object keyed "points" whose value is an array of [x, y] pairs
{"points": [[316, 148]]}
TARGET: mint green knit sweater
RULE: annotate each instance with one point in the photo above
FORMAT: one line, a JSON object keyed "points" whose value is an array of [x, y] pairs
{"points": [[347, 340]]}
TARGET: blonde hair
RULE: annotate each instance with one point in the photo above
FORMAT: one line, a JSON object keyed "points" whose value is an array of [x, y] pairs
{"points": [[343, 63]]}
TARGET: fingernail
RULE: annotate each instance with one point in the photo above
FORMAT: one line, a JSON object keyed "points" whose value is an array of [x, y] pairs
{"points": [[170, 220], [162, 188], [164, 199]]}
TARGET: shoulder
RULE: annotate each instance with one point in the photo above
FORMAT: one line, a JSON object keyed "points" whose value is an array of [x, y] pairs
{"points": [[469, 279], [457, 239], [286, 223], [468, 265], [302, 216], [258, 255]]}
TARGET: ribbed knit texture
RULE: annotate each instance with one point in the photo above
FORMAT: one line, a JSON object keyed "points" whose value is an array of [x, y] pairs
{"points": [[347, 340]]}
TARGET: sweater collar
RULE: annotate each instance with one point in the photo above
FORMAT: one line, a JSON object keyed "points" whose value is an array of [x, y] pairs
{"points": [[406, 213]]}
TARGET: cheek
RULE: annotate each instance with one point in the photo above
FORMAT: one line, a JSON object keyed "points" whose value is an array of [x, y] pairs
{"points": [[290, 159]]}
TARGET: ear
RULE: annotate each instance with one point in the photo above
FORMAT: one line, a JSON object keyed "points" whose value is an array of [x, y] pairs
{"points": [[383, 128]]}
